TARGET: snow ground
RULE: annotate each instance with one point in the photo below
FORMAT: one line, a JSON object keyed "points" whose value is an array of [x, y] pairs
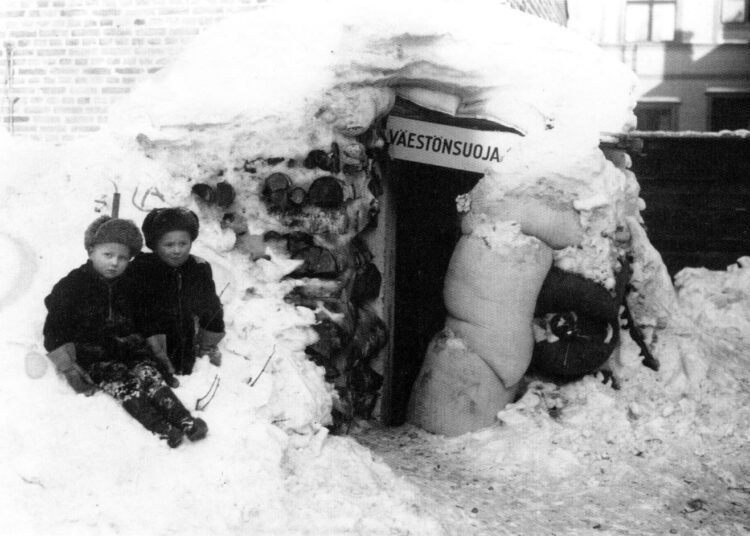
{"points": [[581, 459], [586, 459]]}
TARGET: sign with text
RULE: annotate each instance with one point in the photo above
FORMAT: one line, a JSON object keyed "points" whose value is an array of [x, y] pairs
{"points": [[446, 146]]}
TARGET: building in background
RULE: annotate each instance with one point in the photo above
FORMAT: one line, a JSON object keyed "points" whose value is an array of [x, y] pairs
{"points": [[692, 57]]}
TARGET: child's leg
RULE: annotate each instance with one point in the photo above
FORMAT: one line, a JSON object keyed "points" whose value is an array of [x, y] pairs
{"points": [[117, 381], [167, 403], [145, 413]]}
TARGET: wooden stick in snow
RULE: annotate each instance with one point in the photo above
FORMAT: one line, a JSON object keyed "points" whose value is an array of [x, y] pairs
{"points": [[263, 369]]}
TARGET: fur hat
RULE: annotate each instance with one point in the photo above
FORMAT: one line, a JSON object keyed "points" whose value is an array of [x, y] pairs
{"points": [[106, 229], [160, 221]]}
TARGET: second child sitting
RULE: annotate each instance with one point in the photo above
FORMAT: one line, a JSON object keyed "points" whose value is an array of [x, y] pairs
{"points": [[91, 336], [184, 316]]}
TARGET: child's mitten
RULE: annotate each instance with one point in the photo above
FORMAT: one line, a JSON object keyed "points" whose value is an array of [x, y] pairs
{"points": [[209, 345], [64, 359]]}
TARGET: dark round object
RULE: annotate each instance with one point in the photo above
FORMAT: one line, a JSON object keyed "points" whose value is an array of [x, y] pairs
{"points": [[204, 192], [316, 159], [276, 182], [297, 196], [326, 192], [225, 194], [275, 189]]}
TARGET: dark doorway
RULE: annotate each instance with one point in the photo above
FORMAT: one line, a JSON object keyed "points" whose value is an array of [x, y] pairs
{"points": [[427, 230]]}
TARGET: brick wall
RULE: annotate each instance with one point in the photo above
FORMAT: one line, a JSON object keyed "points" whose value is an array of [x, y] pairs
{"points": [[553, 10], [71, 59]]}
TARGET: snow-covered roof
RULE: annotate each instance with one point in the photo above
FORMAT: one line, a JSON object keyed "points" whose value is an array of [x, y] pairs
{"points": [[686, 134]]}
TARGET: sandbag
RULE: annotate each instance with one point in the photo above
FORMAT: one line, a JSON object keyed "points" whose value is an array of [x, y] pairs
{"points": [[490, 298], [456, 392], [556, 224]]}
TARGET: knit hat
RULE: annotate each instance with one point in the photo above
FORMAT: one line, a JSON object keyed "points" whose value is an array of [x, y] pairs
{"points": [[106, 229], [160, 221]]}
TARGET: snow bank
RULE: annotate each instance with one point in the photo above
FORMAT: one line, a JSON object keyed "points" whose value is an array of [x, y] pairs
{"points": [[82, 465], [587, 426]]}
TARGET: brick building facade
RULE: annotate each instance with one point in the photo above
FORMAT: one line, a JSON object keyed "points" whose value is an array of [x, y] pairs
{"points": [[66, 61]]}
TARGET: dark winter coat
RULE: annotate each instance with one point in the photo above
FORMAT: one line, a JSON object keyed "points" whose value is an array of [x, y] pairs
{"points": [[90, 311], [176, 302]]}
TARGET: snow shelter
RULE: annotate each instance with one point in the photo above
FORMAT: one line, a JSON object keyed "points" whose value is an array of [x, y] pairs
{"points": [[418, 176]]}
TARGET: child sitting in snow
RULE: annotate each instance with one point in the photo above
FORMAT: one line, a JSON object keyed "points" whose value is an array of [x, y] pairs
{"points": [[177, 291], [90, 334]]}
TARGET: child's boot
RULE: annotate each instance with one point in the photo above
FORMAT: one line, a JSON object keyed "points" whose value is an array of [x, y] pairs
{"points": [[145, 413], [177, 415]]}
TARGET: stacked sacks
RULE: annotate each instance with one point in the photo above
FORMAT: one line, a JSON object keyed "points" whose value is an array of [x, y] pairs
{"points": [[491, 289], [456, 390], [554, 222], [489, 295], [490, 292], [497, 300]]}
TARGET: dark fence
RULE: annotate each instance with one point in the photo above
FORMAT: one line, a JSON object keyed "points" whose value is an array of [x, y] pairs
{"points": [[697, 193]]}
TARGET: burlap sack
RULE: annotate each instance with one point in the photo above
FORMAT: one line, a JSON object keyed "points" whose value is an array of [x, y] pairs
{"points": [[490, 298]]}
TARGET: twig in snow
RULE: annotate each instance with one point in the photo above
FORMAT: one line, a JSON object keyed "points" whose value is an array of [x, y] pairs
{"points": [[220, 308], [206, 399], [33, 481], [237, 353], [263, 369]]}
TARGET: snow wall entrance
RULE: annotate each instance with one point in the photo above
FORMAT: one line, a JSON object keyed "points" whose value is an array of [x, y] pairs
{"points": [[427, 230]]}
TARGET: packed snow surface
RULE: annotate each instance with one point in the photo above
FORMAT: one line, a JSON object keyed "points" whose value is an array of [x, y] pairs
{"points": [[568, 460]]}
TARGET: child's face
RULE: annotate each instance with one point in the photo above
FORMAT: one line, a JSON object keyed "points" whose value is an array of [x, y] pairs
{"points": [[174, 248], [110, 259]]}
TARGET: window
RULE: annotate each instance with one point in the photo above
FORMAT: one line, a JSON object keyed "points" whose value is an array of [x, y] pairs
{"points": [[734, 11], [657, 114], [650, 20], [728, 109]]}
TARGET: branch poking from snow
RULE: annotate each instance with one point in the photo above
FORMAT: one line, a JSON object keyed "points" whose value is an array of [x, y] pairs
{"points": [[261, 370]]}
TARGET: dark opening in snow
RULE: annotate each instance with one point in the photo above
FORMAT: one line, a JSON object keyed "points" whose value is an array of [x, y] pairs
{"points": [[427, 230]]}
